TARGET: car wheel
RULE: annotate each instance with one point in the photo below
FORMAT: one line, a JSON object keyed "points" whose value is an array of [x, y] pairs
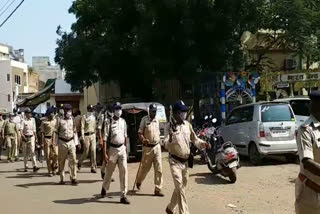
{"points": [[254, 155]]}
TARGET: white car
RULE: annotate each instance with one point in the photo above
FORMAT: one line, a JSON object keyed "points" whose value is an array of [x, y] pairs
{"points": [[300, 107], [262, 129]]}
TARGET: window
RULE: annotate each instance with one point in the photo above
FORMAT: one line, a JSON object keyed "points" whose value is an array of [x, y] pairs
{"points": [[234, 117], [9, 98], [17, 79], [8, 77], [300, 107], [276, 113]]}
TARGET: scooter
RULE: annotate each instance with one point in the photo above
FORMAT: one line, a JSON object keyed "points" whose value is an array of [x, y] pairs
{"points": [[222, 158]]}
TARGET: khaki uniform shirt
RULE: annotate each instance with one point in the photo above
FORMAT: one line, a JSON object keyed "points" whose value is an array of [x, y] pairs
{"points": [[47, 127], [118, 131], [150, 130], [28, 127], [100, 121], [66, 128], [180, 145], [88, 125], [309, 145], [10, 128], [2, 122]]}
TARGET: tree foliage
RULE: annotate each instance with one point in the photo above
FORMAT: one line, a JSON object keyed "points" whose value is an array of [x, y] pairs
{"points": [[136, 41]]}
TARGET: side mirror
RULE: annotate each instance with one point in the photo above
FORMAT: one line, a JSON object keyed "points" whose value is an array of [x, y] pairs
{"points": [[214, 120]]}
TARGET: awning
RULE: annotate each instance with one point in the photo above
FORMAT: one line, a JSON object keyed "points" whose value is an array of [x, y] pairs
{"points": [[34, 100]]}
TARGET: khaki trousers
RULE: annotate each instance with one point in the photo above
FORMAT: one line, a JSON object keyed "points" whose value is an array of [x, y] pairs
{"points": [[11, 146], [51, 154], [117, 156], [89, 145], [18, 145], [307, 200], [180, 176], [151, 156], [67, 151], [29, 151], [1, 145]]}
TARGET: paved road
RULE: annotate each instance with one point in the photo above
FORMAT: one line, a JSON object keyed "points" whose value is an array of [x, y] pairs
{"points": [[266, 189]]}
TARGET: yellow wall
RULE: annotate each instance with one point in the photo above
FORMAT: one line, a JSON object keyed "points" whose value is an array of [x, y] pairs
{"points": [[19, 72]]}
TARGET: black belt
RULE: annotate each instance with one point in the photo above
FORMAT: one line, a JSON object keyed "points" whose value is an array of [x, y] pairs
{"points": [[115, 145], [181, 160], [150, 145], [89, 133], [65, 140], [47, 137]]}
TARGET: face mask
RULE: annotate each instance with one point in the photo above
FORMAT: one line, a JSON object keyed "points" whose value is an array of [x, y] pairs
{"points": [[183, 115], [118, 113], [90, 114], [69, 114], [61, 111]]}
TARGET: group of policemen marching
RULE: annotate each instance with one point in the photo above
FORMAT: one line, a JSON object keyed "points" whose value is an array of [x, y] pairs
{"points": [[61, 133]]}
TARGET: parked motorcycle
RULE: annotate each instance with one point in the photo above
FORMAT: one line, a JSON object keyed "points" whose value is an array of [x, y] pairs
{"points": [[223, 157]]}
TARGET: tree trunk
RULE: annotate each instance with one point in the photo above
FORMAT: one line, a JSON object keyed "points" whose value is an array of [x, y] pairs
{"points": [[196, 100]]}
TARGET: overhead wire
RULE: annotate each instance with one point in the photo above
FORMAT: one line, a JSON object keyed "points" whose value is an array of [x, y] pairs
{"points": [[7, 8], [11, 13], [4, 5]]}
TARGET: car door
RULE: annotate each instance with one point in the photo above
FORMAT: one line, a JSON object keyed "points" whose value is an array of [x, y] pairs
{"points": [[244, 129], [228, 131]]}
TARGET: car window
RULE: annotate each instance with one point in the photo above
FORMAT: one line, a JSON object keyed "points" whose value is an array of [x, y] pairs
{"points": [[276, 113], [235, 117], [300, 107], [246, 114]]}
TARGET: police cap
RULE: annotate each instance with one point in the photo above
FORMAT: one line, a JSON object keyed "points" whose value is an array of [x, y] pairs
{"points": [[153, 107], [117, 106], [28, 110], [67, 107], [180, 106], [90, 107]]}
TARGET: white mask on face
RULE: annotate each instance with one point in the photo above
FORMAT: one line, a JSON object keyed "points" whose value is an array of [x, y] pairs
{"points": [[183, 115], [89, 114], [118, 113], [69, 114]]}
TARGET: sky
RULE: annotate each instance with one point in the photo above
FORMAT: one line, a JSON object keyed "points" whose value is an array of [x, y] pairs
{"points": [[33, 26]]}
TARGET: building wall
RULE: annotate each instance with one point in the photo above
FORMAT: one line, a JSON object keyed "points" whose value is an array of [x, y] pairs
{"points": [[34, 82], [6, 86], [46, 71], [20, 69]]}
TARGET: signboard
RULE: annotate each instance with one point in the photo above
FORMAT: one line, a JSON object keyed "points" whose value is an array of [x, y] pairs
{"points": [[300, 77], [283, 85]]}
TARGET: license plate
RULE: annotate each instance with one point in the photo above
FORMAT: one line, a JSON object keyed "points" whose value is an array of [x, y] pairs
{"points": [[233, 164], [280, 133]]}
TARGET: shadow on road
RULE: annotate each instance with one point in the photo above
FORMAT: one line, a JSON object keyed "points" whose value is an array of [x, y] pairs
{"points": [[267, 161], [209, 179], [29, 175], [136, 193], [54, 183], [94, 199]]}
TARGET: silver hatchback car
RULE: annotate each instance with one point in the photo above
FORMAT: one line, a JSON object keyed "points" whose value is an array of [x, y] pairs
{"points": [[262, 129]]}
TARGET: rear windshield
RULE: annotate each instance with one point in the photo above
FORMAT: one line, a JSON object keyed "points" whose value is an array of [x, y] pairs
{"points": [[276, 113], [300, 107]]}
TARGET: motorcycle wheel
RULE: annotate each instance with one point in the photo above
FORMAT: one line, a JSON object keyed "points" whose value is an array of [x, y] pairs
{"points": [[233, 175], [213, 169]]}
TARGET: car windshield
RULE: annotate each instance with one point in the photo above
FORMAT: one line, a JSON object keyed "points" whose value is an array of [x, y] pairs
{"points": [[276, 113], [300, 107]]}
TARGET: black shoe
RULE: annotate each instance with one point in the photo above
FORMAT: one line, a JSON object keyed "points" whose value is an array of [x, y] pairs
{"points": [[35, 169], [74, 182], [93, 171], [62, 183], [138, 186], [17, 159], [168, 211], [103, 193], [124, 200], [79, 166], [158, 193], [25, 170], [102, 175]]}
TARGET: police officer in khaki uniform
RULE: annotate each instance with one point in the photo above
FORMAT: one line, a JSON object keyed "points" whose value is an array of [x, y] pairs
{"points": [[149, 134], [2, 139], [88, 134], [117, 153], [66, 134], [47, 128], [29, 138], [11, 133], [308, 181], [178, 135]]}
